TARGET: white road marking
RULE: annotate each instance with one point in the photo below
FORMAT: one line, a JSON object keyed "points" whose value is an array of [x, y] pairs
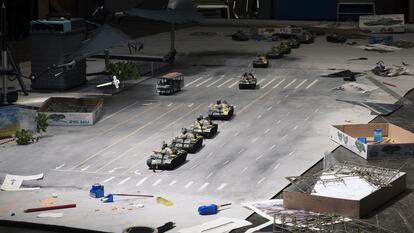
{"points": [[288, 85], [278, 84], [240, 151], [142, 181], [224, 144], [299, 106], [191, 105], [136, 172], [114, 169], [115, 113], [244, 169], [261, 180], [188, 84], [287, 96], [203, 186], [260, 81], [210, 154], [278, 122], [307, 118], [109, 179], [228, 80], [278, 102], [276, 166], [267, 131], [254, 140], [259, 116], [267, 84], [147, 104], [233, 84], [208, 176], [248, 125], [211, 84], [169, 105], [59, 167], [198, 85], [288, 113], [236, 134], [85, 168], [310, 85], [188, 184], [284, 137], [296, 127], [269, 108], [259, 157], [291, 153], [124, 180], [157, 182], [272, 147], [194, 166], [172, 182], [300, 84], [225, 163], [222, 186], [317, 110]]}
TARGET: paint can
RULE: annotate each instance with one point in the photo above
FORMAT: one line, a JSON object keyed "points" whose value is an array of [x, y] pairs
{"points": [[377, 135], [363, 140], [97, 191]]}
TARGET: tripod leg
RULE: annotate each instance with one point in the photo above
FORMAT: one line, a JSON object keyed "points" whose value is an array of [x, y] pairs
{"points": [[16, 68]]}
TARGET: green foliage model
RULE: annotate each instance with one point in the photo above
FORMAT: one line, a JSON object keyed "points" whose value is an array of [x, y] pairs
{"points": [[24, 137], [123, 70], [41, 122]]}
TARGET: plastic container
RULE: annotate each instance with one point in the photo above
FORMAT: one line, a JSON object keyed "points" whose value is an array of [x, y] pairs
{"points": [[97, 191], [363, 140], [377, 135]]}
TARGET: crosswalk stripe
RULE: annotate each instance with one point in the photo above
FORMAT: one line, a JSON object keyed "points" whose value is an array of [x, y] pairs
{"points": [[261, 80], [312, 84], [222, 186], [124, 180], [188, 184], [198, 85], [157, 182], [172, 182], [300, 84], [294, 80], [188, 84], [142, 181], [203, 186], [109, 179], [232, 85], [211, 84], [228, 80], [267, 84], [278, 84]]}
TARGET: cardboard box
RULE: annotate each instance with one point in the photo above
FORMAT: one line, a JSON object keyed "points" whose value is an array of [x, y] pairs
{"points": [[382, 23], [397, 142], [345, 207], [13, 118], [72, 111]]}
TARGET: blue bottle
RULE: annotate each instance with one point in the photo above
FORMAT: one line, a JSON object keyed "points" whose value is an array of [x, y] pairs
{"points": [[377, 135]]}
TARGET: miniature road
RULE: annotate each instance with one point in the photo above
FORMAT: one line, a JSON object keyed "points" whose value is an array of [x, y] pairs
{"points": [[280, 129]]}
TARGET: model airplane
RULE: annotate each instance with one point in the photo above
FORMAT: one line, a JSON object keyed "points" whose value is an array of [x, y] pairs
{"points": [[114, 82]]}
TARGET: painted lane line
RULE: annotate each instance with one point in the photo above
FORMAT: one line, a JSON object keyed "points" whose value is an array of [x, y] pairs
{"points": [[225, 163], [287, 96], [272, 147], [209, 154], [261, 180], [288, 113], [278, 102], [267, 131], [254, 140], [313, 83], [180, 118], [114, 169], [124, 180], [240, 151], [233, 84], [188, 184], [300, 84], [291, 153], [188, 84], [109, 179], [209, 175], [203, 186], [244, 169], [278, 122], [223, 144], [136, 172], [316, 110], [299, 106], [142, 181], [147, 104], [115, 113], [198, 85], [259, 157], [269, 108], [59, 167], [85, 168], [169, 105], [194, 166], [222, 186], [248, 125], [228, 80], [296, 127], [157, 182], [284, 137], [288, 85], [276, 166], [211, 84], [121, 140], [191, 105], [172, 183], [278, 84], [259, 116], [267, 84], [260, 81], [307, 118], [236, 134]]}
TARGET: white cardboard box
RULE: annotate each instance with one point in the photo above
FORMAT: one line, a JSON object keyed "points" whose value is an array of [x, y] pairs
{"points": [[382, 23]]}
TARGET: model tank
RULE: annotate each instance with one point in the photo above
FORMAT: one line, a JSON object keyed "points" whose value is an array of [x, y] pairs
{"points": [[203, 126], [335, 38], [274, 53], [293, 43], [247, 81], [168, 158], [188, 141], [284, 48], [240, 36], [305, 38], [384, 22], [221, 110], [260, 62]]}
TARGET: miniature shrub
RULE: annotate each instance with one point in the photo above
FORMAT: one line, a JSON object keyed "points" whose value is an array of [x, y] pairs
{"points": [[24, 137], [123, 70], [41, 122]]}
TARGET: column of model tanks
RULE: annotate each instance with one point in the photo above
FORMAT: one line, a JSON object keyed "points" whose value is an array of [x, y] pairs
{"points": [[190, 140]]}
